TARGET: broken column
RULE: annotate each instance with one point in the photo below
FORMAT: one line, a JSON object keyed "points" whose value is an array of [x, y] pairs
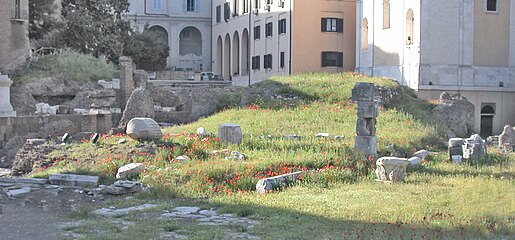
{"points": [[6, 109], [366, 140], [230, 133], [126, 78]]}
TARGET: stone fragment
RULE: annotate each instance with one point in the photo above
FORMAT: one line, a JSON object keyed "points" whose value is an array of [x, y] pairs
{"points": [[208, 213], [73, 180], [415, 162], [267, 184], [367, 110], [237, 156], [187, 210], [122, 141], [65, 137], [322, 135], [144, 129], [202, 131], [363, 92], [422, 154], [474, 147], [391, 169], [230, 133], [139, 105], [6, 109], [64, 109], [339, 137], [507, 138], [94, 138], [182, 158], [123, 187], [80, 111], [366, 144], [293, 137], [456, 113], [109, 212], [18, 193], [39, 181], [130, 170]]}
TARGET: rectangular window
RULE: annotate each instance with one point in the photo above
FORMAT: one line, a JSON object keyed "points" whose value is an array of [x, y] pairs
{"points": [[269, 29], [17, 9], [235, 8], [332, 25], [282, 26], [386, 14], [157, 4], [245, 6], [257, 4], [190, 5], [332, 59], [256, 62], [267, 61], [281, 3], [282, 60], [218, 13], [257, 32], [491, 6], [227, 11]]}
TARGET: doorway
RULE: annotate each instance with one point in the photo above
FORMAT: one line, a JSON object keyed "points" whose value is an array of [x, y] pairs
{"points": [[487, 120]]}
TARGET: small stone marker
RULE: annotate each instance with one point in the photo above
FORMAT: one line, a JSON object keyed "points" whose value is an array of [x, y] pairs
{"points": [[230, 133], [293, 137], [144, 129], [267, 184], [182, 158], [73, 180], [322, 135], [391, 169], [129, 170], [94, 138]]}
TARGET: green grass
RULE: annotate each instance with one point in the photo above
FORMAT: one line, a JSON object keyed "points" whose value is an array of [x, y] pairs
{"points": [[337, 197], [68, 64]]}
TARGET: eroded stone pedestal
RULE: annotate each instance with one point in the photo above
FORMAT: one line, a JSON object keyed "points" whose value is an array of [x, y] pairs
{"points": [[6, 109], [391, 169]]}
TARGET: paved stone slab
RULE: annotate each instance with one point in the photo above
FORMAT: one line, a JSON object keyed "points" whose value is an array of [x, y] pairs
{"points": [[108, 212], [74, 180], [41, 181], [187, 210], [17, 193]]}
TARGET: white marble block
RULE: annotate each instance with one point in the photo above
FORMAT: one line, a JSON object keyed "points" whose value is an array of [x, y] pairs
{"points": [[6, 109], [391, 169]]}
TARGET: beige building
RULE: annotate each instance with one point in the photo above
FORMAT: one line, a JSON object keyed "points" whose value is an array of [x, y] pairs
{"points": [[14, 33], [464, 46], [256, 39]]}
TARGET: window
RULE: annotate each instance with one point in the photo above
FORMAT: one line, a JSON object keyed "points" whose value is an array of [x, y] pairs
{"points": [[282, 60], [332, 59], [332, 25], [227, 11], [17, 9], [185, 33], [235, 10], [364, 34], [190, 5], [282, 26], [257, 4], [157, 4], [218, 13], [257, 32], [281, 3], [269, 29], [267, 61], [491, 6], [386, 14], [255, 62], [409, 27], [245, 6]]}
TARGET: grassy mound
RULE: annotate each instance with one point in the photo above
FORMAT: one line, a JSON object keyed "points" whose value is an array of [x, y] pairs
{"points": [[68, 64]]}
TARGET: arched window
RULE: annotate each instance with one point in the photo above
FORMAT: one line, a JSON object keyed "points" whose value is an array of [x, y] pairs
{"points": [[364, 34], [386, 14], [409, 27], [190, 42]]}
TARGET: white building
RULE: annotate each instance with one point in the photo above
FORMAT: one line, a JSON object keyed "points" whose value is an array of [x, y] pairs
{"points": [[465, 46], [186, 24]]}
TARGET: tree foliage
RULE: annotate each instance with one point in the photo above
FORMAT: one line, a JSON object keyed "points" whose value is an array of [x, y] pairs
{"points": [[42, 18], [148, 49], [95, 26]]}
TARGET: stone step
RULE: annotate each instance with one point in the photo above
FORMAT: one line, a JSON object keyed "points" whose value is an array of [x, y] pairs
{"points": [[74, 180]]}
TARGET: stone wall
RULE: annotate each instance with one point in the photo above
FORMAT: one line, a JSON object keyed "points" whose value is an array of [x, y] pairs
{"points": [[19, 126]]}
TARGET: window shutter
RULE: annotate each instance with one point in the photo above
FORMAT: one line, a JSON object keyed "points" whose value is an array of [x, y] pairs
{"points": [[324, 57], [339, 25], [324, 24], [184, 7], [197, 5], [339, 60]]}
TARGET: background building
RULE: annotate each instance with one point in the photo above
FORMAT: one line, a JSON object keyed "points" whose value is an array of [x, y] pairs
{"points": [[256, 39], [465, 46], [14, 33], [186, 26]]}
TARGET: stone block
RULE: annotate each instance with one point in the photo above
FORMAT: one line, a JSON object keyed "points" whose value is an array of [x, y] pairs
{"points": [[267, 184], [130, 170], [39, 181], [391, 169], [415, 162], [230, 133], [363, 91], [455, 142], [18, 193], [366, 127], [366, 145], [64, 109], [367, 110], [143, 129], [73, 180]]}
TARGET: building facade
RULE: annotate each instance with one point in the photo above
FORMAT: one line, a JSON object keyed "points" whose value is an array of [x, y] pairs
{"points": [[465, 47], [184, 24], [14, 33], [256, 39]]}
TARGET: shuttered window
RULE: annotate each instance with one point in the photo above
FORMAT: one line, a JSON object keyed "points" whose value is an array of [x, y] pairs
{"points": [[332, 59], [332, 25]]}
